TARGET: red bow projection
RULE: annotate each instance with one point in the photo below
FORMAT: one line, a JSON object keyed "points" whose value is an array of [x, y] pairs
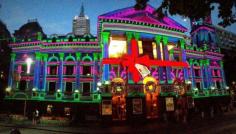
{"points": [[130, 61]]}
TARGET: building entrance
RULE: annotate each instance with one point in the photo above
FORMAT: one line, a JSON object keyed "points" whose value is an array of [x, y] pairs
{"points": [[151, 90], [118, 99]]}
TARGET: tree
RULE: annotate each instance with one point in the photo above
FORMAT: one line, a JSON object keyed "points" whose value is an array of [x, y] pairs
{"points": [[4, 57], [195, 9]]}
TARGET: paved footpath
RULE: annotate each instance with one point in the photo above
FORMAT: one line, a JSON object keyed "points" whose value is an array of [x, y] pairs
{"points": [[225, 124]]}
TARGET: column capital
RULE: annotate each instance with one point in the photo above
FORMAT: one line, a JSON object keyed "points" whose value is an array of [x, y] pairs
{"points": [[136, 36], [207, 62], [105, 37], [61, 55], [202, 62], [158, 39], [95, 56], [45, 57], [221, 63], [165, 40], [129, 36], [39, 36], [78, 55], [182, 43], [13, 56], [171, 51], [190, 61], [38, 55]]}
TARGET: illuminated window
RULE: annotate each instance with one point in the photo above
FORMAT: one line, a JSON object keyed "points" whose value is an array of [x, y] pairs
{"points": [[140, 47], [154, 46], [117, 48], [170, 48]]}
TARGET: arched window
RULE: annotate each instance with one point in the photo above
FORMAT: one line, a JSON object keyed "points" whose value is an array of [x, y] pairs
{"points": [[53, 66], [54, 39], [70, 39], [87, 69], [69, 67]]}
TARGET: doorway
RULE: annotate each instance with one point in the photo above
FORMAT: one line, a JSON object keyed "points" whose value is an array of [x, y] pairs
{"points": [[151, 105], [118, 107]]}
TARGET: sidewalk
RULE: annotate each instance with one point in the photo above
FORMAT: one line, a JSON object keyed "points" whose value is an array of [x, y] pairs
{"points": [[218, 124]]}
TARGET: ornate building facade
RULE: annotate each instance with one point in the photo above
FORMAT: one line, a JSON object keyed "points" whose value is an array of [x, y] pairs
{"points": [[137, 67]]}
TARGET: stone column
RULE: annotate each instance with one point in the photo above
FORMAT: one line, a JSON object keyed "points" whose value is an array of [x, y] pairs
{"points": [[166, 57], [183, 57], [95, 67], [78, 58], [202, 73], [37, 70], [160, 69], [45, 64], [105, 39], [208, 73], [223, 85], [192, 73], [60, 72], [11, 70], [129, 36]]}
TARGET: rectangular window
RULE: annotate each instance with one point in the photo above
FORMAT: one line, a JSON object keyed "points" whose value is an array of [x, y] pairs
{"points": [[68, 87], [24, 69], [148, 49], [198, 85], [140, 47], [86, 89], [22, 85], [53, 70], [117, 48], [197, 72], [52, 87], [218, 86], [87, 70], [69, 70], [154, 46]]}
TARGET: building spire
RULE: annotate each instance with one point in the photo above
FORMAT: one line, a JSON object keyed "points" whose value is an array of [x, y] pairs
{"points": [[82, 10]]}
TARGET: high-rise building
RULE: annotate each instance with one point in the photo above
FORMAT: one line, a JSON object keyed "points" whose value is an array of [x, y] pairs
{"points": [[81, 23]]}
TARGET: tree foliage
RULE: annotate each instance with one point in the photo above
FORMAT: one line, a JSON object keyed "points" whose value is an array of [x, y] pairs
{"points": [[196, 9]]}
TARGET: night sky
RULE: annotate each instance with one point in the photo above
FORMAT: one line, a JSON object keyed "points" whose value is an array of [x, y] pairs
{"points": [[55, 16]]}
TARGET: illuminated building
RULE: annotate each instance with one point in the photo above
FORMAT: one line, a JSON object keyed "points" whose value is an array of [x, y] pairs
{"points": [[138, 67]]}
